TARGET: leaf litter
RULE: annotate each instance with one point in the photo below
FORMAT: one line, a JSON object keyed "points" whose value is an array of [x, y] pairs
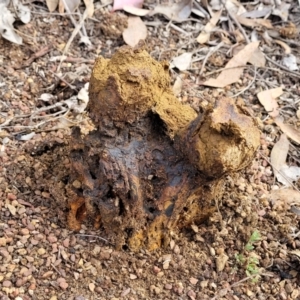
{"points": [[234, 68], [135, 32], [255, 200], [268, 100], [9, 12]]}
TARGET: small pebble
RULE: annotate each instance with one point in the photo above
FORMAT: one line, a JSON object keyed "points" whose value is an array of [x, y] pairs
{"points": [[125, 292], [193, 280], [191, 294], [6, 283], [66, 242], [24, 231], [41, 251], [132, 276], [52, 239], [92, 287]]}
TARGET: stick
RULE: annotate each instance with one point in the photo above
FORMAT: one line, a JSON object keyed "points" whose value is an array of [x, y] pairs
{"points": [[223, 69], [248, 86], [210, 52], [237, 23], [71, 17], [281, 66], [38, 54], [94, 236], [76, 30], [52, 265], [66, 82], [287, 179]]}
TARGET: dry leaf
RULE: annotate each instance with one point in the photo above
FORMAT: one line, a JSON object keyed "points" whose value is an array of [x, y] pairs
{"points": [[216, 4], [136, 11], [198, 12], [177, 12], [235, 7], [207, 6], [238, 36], [254, 36], [83, 94], [290, 61], [135, 31], [266, 36], [90, 7], [22, 11], [282, 11], [268, 100], [79, 106], [286, 47], [6, 25], [259, 13], [284, 197], [233, 74], [182, 62], [64, 123], [46, 97], [119, 4], [26, 137], [254, 22], [177, 87], [205, 33], [71, 4], [257, 59], [289, 130], [61, 7], [272, 33], [295, 252], [52, 4], [288, 174], [279, 154]]}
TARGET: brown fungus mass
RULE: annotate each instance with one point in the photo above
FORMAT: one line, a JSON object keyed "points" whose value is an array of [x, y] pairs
{"points": [[152, 165]]}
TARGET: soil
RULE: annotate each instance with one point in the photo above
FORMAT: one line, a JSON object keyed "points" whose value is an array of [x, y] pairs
{"points": [[41, 258], [151, 166]]}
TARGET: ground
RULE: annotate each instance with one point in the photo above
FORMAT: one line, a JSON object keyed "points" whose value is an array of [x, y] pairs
{"points": [[248, 249]]}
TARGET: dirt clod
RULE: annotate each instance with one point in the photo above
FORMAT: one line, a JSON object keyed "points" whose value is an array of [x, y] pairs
{"points": [[152, 165]]}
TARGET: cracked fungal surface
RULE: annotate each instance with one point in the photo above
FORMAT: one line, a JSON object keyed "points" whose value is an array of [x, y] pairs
{"points": [[151, 166]]}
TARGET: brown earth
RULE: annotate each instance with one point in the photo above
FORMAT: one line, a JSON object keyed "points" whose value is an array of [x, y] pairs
{"points": [[151, 166], [40, 258]]}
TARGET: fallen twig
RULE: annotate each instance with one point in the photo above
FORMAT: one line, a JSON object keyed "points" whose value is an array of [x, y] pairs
{"points": [[78, 60], [223, 69], [36, 55], [75, 31], [178, 28], [83, 33], [248, 86], [52, 265], [234, 19], [6, 122], [234, 285], [282, 67], [283, 175], [210, 52], [63, 80], [95, 236]]}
